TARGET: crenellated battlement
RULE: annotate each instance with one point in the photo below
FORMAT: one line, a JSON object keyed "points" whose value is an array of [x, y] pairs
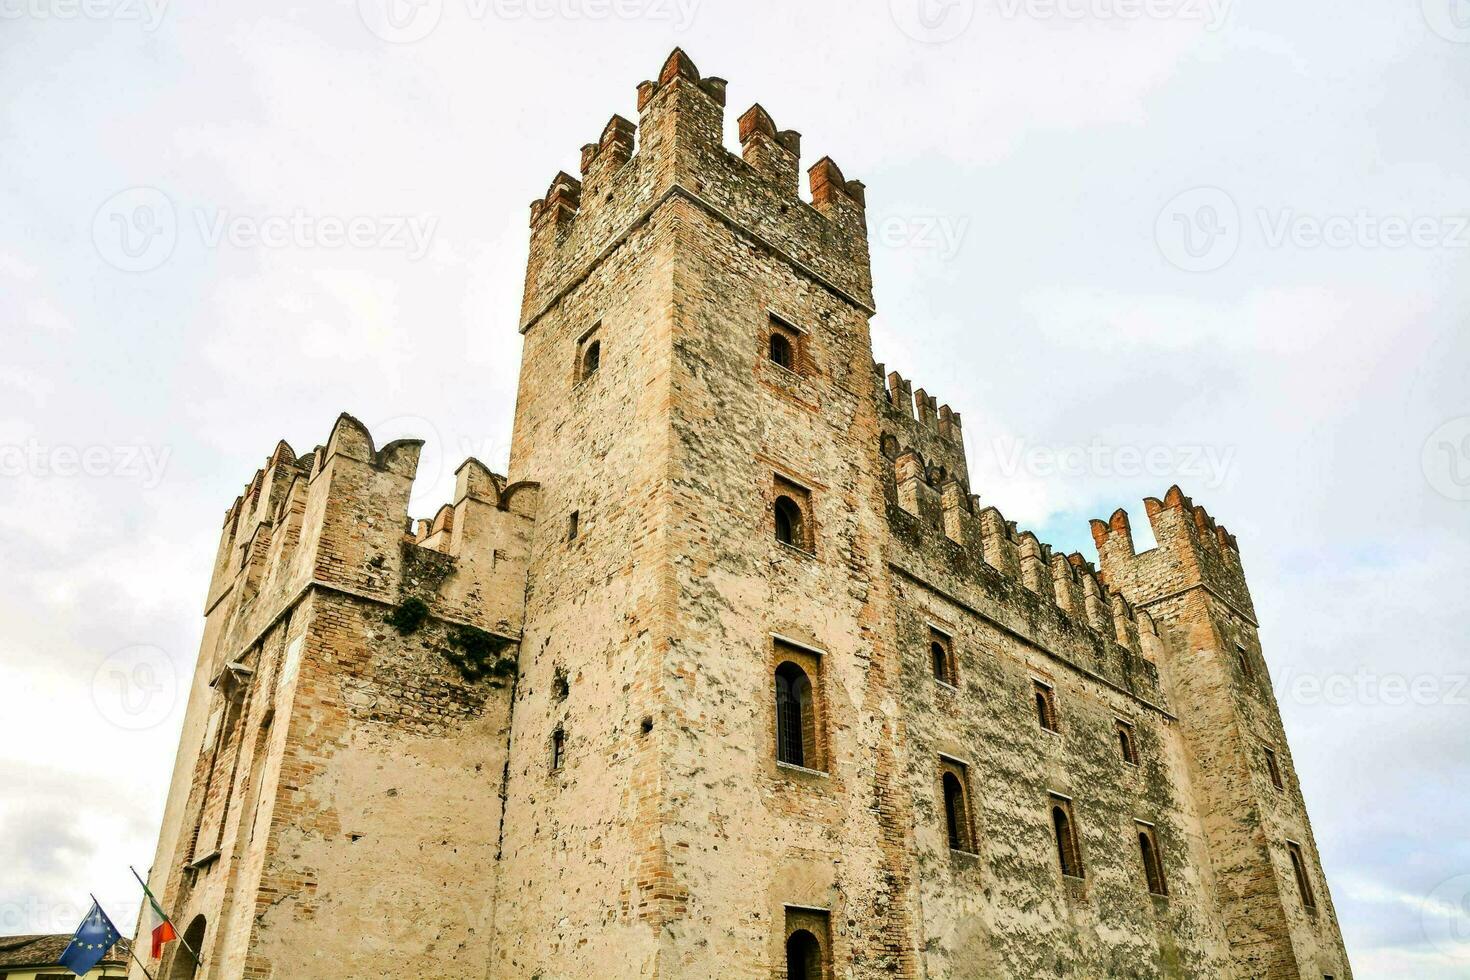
{"points": [[951, 532], [914, 420], [676, 149], [337, 517], [1193, 550]]}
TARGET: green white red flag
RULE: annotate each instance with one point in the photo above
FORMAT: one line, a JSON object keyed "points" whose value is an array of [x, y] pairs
{"points": [[162, 929]]}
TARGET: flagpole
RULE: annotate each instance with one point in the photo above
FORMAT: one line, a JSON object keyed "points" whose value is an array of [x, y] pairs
{"points": [[131, 951], [182, 941]]}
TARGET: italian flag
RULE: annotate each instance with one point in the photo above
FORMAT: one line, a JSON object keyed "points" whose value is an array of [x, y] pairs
{"points": [[163, 929]]}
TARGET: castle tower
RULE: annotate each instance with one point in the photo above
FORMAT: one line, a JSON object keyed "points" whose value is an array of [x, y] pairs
{"points": [[346, 727], [650, 830], [733, 676], [1274, 900]]}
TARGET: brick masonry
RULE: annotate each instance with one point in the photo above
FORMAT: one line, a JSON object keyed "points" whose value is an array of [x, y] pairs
{"points": [[508, 742]]}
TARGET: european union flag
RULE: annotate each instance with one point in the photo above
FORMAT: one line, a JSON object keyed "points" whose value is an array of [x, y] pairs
{"points": [[95, 936]]}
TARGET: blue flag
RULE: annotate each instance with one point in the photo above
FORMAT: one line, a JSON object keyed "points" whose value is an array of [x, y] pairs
{"points": [[95, 936]]}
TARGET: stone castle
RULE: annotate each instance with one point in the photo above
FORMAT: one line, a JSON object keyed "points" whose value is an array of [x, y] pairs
{"points": [[731, 675]]}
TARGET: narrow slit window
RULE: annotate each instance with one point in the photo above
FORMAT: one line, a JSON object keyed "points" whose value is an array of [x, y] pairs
{"points": [[574, 520], [1299, 870], [954, 783], [1046, 705], [1273, 768], [558, 749], [1148, 852], [1069, 854], [1127, 743], [942, 658], [797, 707]]}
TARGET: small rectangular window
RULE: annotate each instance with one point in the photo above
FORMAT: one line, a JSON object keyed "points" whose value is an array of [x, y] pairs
{"points": [[1046, 705], [589, 354], [954, 786], [1069, 853], [1299, 870], [785, 345], [573, 521], [797, 683], [1148, 852], [558, 749], [942, 658], [1127, 742], [1273, 768], [791, 514], [1247, 667]]}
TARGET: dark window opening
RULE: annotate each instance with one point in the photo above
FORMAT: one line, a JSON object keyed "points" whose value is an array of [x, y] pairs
{"points": [[1153, 869], [1068, 854], [1247, 668], [1126, 744], [558, 749], [1273, 769], [573, 520], [942, 659], [803, 956], [1299, 870], [1046, 706], [788, 522], [795, 722], [957, 821], [781, 352], [591, 359]]}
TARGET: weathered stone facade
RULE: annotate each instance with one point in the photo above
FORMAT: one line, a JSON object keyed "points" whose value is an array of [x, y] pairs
{"points": [[537, 736]]}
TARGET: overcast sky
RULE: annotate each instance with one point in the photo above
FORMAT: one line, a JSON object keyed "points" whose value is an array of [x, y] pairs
{"points": [[1134, 242]]}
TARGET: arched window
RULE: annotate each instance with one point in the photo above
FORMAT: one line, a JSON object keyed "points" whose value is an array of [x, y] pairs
{"points": [[1046, 706], [1126, 744], [1153, 870], [795, 723], [1299, 870], [184, 966], [956, 813], [789, 525], [781, 352], [941, 657], [803, 956], [1068, 854], [591, 358]]}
